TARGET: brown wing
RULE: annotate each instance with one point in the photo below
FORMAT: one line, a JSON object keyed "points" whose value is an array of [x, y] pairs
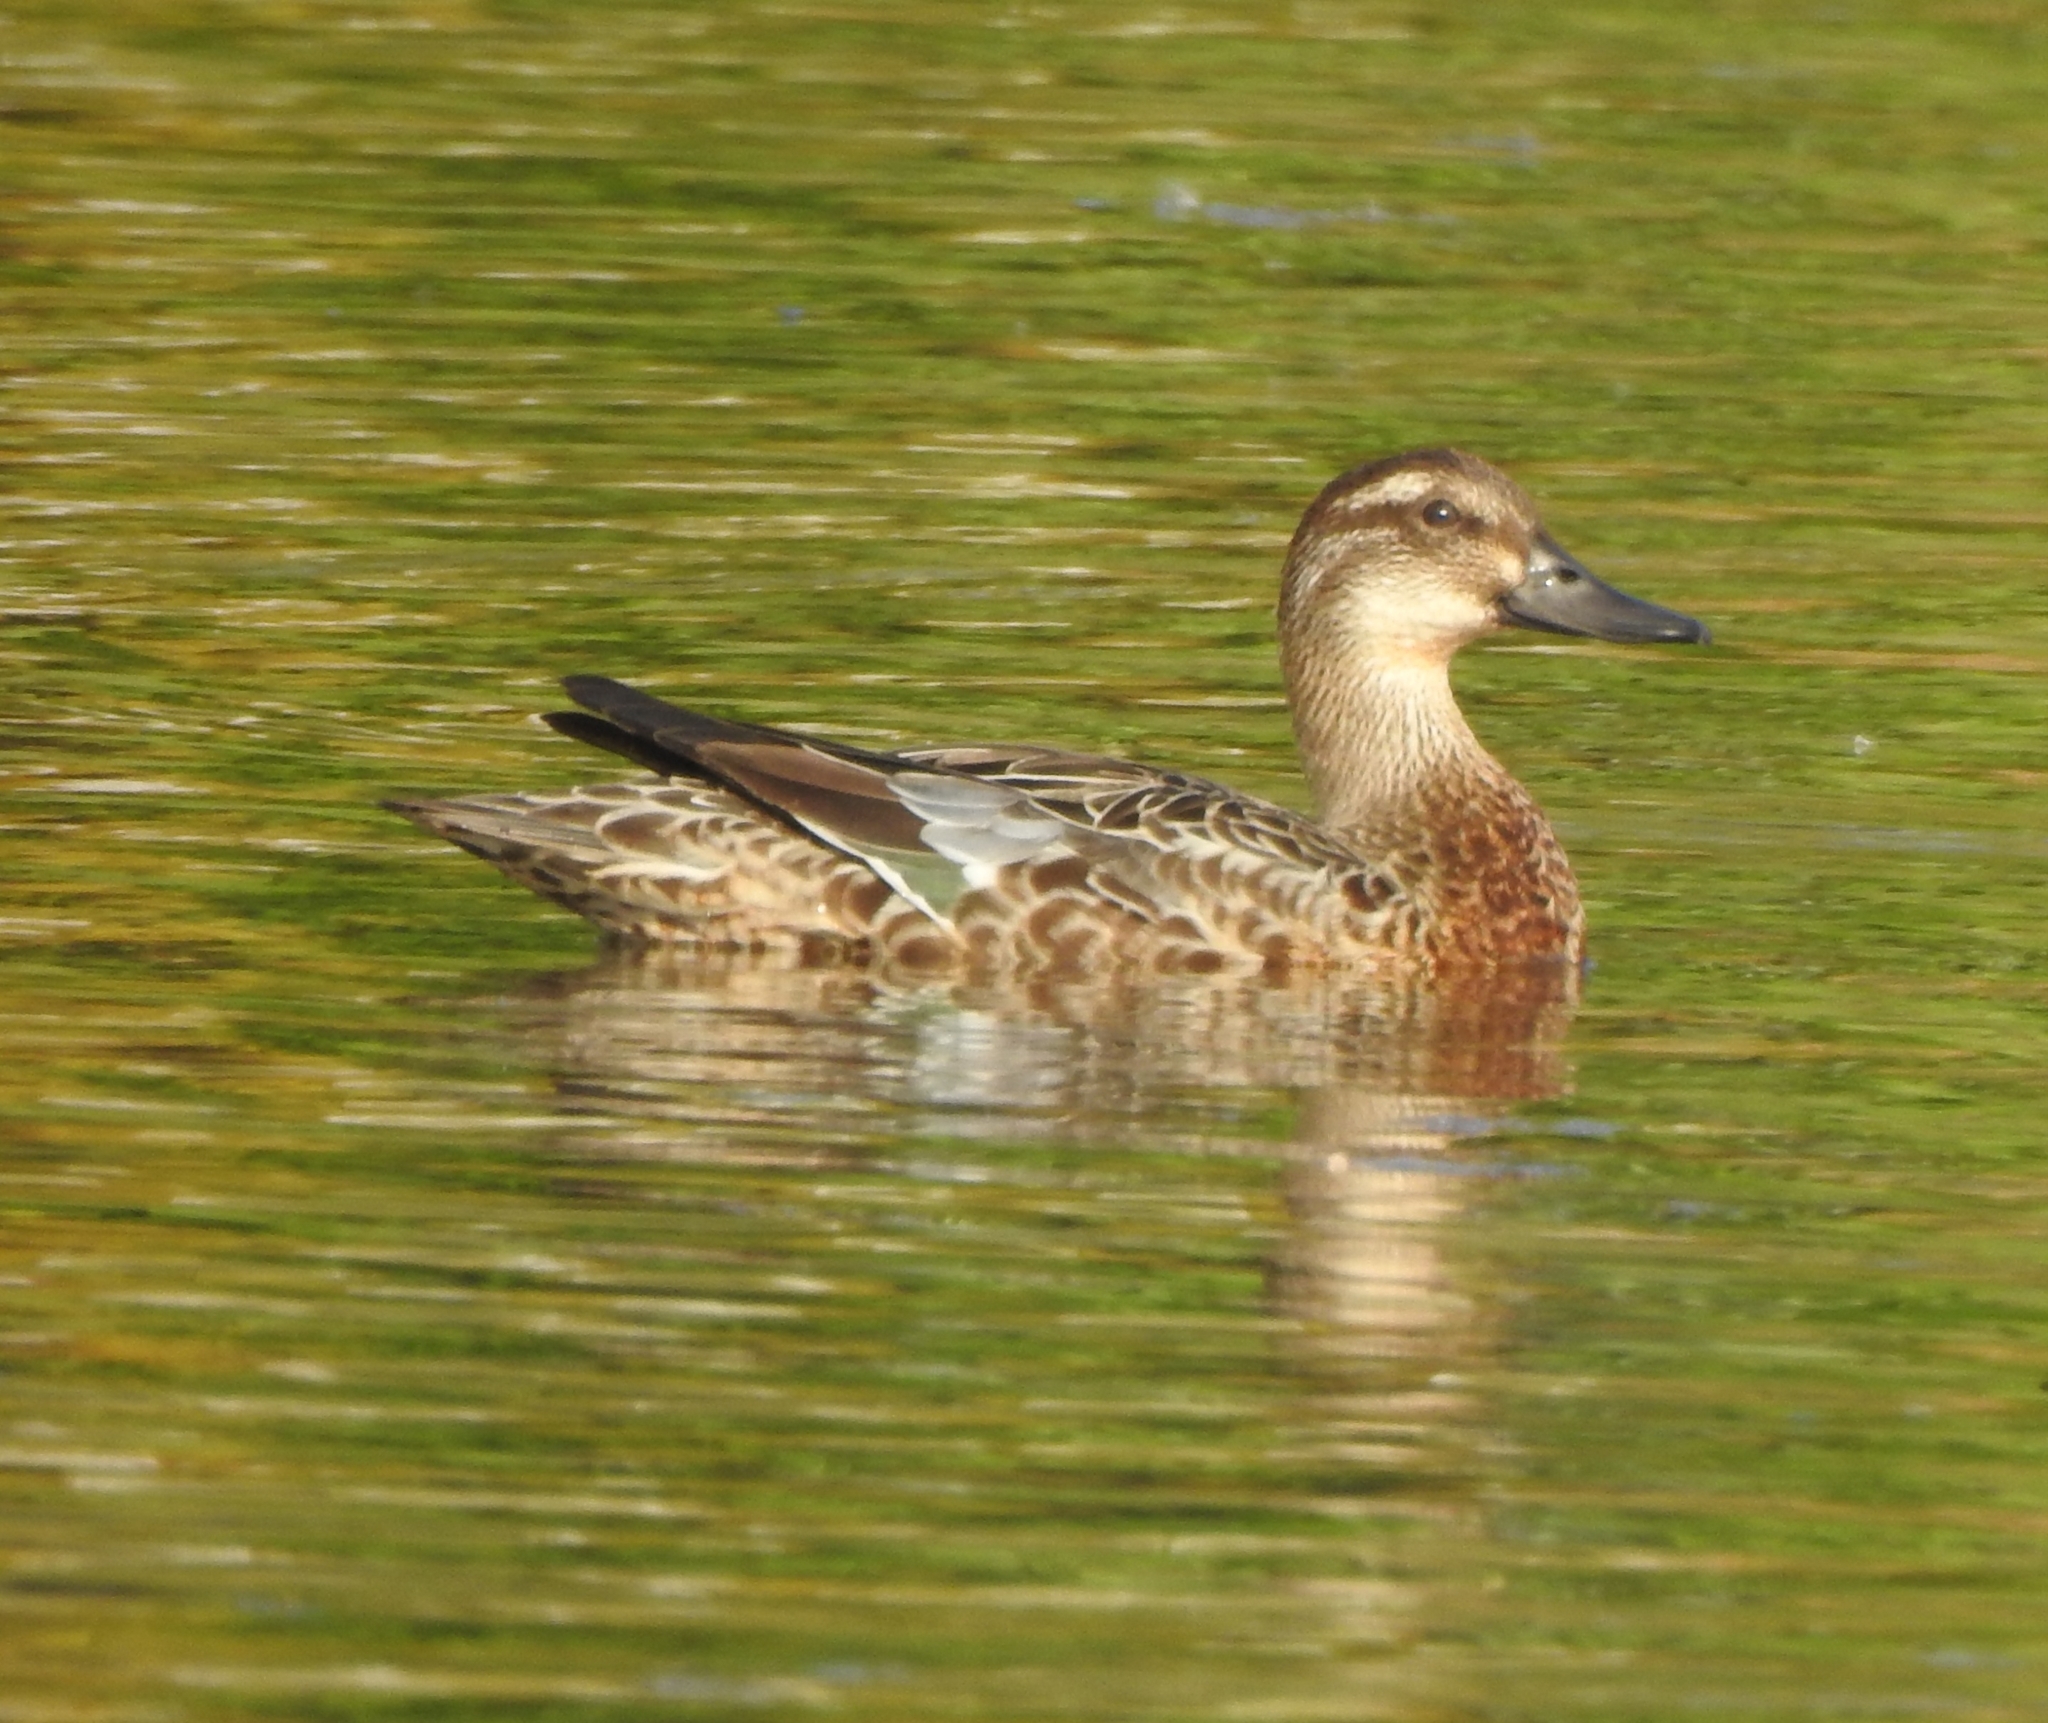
{"points": [[975, 838]]}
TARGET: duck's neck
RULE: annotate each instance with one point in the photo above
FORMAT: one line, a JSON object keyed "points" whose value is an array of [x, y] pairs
{"points": [[1402, 779], [1386, 748]]}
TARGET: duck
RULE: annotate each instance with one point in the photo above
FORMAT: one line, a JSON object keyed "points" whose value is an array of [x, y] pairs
{"points": [[1426, 857]]}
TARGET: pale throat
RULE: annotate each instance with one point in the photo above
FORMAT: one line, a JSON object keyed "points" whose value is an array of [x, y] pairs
{"points": [[1385, 746]]}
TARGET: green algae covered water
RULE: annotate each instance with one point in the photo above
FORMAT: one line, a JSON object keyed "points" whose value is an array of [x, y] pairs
{"points": [[408, 1313]]}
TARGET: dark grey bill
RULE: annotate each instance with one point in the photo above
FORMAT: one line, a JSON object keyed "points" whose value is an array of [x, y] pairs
{"points": [[1560, 596]]}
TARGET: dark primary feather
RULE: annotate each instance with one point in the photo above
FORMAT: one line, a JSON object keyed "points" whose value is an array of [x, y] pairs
{"points": [[597, 732], [680, 731]]}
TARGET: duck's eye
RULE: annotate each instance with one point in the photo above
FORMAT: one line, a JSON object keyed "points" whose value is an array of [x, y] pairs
{"points": [[1439, 512]]}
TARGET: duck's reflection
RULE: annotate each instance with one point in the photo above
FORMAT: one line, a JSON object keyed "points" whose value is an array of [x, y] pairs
{"points": [[1367, 1057], [700, 1058], [1386, 1085]]}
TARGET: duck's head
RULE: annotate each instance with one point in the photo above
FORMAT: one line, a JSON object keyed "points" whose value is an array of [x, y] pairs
{"points": [[1408, 558]]}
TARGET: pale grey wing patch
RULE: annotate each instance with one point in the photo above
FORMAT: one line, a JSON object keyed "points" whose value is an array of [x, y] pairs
{"points": [[978, 825]]}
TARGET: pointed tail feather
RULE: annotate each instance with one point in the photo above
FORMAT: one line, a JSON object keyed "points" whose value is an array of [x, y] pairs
{"points": [[502, 828]]}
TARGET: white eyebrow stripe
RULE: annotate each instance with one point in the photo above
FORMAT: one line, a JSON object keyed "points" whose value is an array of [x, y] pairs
{"points": [[1408, 487]]}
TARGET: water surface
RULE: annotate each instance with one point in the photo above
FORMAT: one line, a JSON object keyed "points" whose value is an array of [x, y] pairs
{"points": [[406, 1312]]}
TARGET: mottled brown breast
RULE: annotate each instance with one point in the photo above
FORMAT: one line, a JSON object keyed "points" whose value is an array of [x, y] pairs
{"points": [[1495, 882]]}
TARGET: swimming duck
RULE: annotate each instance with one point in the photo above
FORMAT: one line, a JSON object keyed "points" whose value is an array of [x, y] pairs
{"points": [[1428, 858]]}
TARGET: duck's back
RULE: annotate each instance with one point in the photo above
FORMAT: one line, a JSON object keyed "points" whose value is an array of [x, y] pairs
{"points": [[1007, 858]]}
